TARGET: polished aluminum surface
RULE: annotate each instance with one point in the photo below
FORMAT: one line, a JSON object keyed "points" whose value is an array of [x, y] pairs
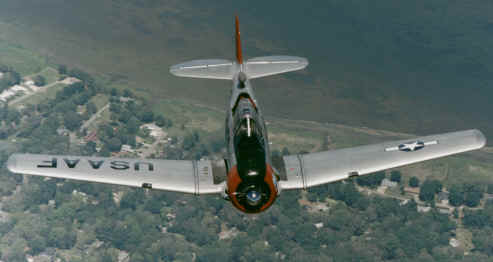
{"points": [[308, 170], [272, 65], [208, 68], [194, 177]]}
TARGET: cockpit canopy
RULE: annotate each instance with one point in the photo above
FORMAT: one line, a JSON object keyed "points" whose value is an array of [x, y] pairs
{"points": [[249, 148]]}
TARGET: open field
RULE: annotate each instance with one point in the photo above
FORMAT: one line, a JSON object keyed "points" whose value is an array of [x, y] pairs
{"points": [[50, 74], [100, 101], [39, 97], [410, 72], [22, 60]]}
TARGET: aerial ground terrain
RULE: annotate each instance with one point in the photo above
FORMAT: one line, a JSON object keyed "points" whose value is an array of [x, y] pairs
{"points": [[77, 77]]}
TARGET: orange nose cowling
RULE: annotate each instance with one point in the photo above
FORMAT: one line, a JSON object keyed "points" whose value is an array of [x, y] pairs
{"points": [[234, 181]]}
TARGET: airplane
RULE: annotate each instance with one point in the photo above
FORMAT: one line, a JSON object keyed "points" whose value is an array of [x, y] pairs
{"points": [[247, 177]]}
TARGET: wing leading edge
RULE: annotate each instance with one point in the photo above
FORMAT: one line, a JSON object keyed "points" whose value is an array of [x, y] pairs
{"points": [[194, 177], [303, 171]]}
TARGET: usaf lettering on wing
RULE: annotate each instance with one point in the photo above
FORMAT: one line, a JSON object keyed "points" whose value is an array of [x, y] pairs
{"points": [[96, 164]]}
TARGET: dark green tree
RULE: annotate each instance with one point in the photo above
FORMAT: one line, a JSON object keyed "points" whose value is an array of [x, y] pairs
{"points": [[132, 198], [62, 69], [114, 92], [472, 198], [115, 108], [160, 120], [39, 80], [89, 148], [482, 241], [190, 140], [456, 195], [91, 108], [395, 176], [13, 116], [114, 144], [127, 93], [83, 76], [414, 182], [371, 180], [133, 125], [146, 116], [477, 219], [72, 121], [63, 238], [428, 190], [489, 189], [37, 244]]}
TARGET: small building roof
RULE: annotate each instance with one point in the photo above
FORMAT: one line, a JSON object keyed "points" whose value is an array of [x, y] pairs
{"points": [[442, 196], [412, 190], [127, 148], [386, 182]]}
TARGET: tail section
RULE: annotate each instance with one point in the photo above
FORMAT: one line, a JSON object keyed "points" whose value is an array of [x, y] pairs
{"points": [[253, 68]]}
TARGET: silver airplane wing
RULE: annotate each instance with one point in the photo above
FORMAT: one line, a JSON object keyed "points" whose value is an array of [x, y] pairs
{"points": [[208, 68], [303, 171], [271, 65], [194, 177]]}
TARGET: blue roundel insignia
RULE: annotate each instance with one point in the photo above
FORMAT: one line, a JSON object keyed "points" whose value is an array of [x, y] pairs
{"points": [[411, 146]]}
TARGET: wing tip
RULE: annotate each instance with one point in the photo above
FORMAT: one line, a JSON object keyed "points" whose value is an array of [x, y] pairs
{"points": [[174, 69], [12, 163], [304, 62], [480, 138]]}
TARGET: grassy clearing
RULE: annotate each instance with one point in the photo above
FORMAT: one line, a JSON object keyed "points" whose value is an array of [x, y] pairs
{"points": [[191, 116], [22, 60], [105, 116], [100, 101], [41, 96], [50, 74], [293, 137], [465, 238]]}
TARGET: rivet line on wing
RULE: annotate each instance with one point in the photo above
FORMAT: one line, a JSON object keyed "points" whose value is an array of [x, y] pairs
{"points": [[302, 170], [196, 177]]}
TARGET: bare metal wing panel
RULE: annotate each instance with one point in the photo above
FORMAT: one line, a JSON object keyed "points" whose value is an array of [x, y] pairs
{"points": [[271, 65], [308, 170], [194, 177], [209, 68]]}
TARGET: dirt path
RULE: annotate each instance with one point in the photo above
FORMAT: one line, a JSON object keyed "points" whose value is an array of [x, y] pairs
{"points": [[94, 117], [151, 149]]}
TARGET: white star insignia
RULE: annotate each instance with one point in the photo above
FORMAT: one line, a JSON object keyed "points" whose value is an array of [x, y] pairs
{"points": [[411, 146]]}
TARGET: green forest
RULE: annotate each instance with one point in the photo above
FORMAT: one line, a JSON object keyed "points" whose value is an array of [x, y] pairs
{"points": [[76, 221]]}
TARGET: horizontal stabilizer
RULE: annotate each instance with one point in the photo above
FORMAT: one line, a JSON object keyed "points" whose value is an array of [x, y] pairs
{"points": [[209, 68], [272, 65]]}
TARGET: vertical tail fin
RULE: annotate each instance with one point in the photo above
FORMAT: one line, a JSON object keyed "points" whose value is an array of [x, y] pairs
{"points": [[239, 56]]}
